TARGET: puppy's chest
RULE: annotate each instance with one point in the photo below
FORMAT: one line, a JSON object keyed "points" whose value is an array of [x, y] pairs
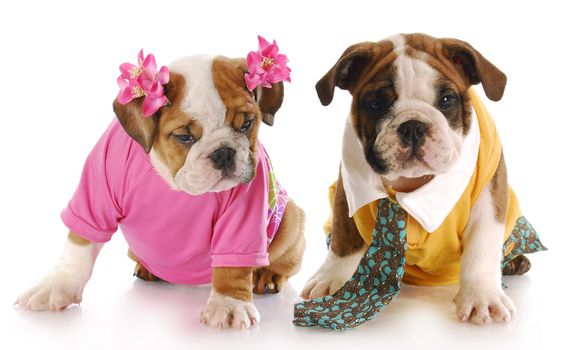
{"points": [[158, 218], [431, 258], [432, 248]]}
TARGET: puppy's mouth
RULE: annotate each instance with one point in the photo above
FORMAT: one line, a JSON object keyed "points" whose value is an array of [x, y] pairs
{"points": [[410, 154], [244, 177], [231, 175]]}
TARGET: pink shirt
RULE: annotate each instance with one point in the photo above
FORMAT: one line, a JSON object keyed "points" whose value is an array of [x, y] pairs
{"points": [[176, 236]]}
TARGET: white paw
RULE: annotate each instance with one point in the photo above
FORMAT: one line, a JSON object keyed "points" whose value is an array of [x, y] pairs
{"points": [[224, 312], [332, 275], [54, 293], [482, 305]]}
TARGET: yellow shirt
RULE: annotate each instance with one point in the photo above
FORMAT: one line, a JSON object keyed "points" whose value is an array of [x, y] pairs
{"points": [[434, 258]]}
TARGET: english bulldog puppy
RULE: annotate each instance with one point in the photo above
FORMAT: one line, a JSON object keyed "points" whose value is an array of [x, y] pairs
{"points": [[193, 191], [415, 134]]}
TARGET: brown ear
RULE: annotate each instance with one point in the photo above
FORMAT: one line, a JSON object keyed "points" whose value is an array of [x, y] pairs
{"points": [[144, 129], [140, 128], [348, 69], [477, 69], [269, 100]]}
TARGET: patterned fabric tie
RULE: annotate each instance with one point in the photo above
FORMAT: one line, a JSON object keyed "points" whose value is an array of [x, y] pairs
{"points": [[373, 286], [377, 280]]}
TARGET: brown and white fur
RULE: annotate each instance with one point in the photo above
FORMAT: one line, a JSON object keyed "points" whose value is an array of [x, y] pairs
{"points": [[411, 112], [210, 108]]}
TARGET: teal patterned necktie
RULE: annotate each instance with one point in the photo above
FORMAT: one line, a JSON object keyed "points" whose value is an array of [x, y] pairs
{"points": [[377, 280], [373, 286]]}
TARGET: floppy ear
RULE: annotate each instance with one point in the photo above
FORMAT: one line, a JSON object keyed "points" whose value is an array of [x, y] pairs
{"points": [[477, 69], [140, 128], [144, 129], [269, 100], [348, 69]]}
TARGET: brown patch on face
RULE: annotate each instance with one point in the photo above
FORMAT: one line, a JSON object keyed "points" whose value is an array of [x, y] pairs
{"points": [[435, 57], [373, 97], [78, 240], [158, 131], [451, 81], [366, 71], [499, 190], [171, 151], [242, 111], [377, 91], [460, 63], [173, 122], [235, 282], [459, 66], [241, 108], [459, 114]]}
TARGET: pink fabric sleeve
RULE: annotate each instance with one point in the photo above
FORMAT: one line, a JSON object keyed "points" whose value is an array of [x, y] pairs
{"points": [[94, 210], [240, 236]]}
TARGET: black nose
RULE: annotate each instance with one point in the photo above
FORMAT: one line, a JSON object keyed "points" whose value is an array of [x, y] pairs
{"points": [[412, 133], [223, 158]]}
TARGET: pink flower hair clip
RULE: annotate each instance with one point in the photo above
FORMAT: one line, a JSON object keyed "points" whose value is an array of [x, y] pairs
{"points": [[266, 66], [143, 80]]}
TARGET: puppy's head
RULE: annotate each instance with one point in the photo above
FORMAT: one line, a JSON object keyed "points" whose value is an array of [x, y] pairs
{"points": [[205, 140], [410, 107]]}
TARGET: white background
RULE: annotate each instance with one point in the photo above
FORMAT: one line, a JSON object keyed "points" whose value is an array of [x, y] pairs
{"points": [[59, 63]]}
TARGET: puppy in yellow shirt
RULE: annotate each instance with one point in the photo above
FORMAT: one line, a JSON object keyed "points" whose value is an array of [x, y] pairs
{"points": [[418, 134]]}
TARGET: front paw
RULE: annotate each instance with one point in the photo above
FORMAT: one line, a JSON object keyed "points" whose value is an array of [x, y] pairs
{"points": [[323, 283], [53, 293], [223, 312], [332, 275], [482, 305]]}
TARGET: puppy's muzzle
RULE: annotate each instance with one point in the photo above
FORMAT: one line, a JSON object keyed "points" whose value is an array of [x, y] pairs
{"points": [[223, 159], [412, 134]]}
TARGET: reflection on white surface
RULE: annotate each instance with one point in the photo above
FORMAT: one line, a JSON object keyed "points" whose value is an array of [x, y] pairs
{"points": [[136, 314]]}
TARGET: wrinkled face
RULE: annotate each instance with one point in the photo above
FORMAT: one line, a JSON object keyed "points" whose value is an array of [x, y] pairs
{"points": [[410, 117], [410, 107], [205, 141]]}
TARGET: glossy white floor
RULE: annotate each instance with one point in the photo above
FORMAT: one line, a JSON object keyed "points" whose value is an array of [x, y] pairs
{"points": [[59, 64], [120, 312]]}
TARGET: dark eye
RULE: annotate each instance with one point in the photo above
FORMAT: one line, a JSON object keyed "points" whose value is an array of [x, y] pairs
{"points": [[375, 104], [447, 101], [185, 138], [246, 125]]}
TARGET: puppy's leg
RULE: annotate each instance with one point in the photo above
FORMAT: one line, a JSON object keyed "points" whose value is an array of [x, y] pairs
{"points": [[285, 252], [231, 300], [480, 298], [346, 250], [63, 286], [141, 271]]}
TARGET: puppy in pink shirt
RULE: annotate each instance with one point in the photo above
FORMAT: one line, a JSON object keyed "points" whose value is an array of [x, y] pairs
{"points": [[193, 192]]}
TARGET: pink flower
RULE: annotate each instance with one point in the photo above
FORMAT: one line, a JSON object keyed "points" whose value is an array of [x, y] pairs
{"points": [[143, 80], [266, 66]]}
